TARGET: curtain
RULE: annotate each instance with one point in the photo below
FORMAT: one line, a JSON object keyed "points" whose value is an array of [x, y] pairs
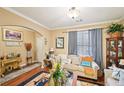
{"points": [[72, 43], [95, 36]]}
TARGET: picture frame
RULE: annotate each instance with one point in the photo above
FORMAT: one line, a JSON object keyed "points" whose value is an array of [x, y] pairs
{"points": [[60, 42], [12, 35]]}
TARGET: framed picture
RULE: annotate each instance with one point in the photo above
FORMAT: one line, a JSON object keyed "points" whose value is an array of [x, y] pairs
{"points": [[60, 42], [12, 35]]}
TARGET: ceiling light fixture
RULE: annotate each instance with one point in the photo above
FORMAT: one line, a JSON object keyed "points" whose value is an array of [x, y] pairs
{"points": [[74, 14]]}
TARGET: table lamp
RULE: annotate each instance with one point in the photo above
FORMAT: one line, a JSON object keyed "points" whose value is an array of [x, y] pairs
{"points": [[51, 52]]}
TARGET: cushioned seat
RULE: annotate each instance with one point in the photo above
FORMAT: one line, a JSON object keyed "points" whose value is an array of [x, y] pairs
{"points": [[72, 67], [111, 81]]}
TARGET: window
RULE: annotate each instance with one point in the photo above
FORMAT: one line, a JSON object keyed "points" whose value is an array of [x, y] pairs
{"points": [[80, 43], [83, 43]]}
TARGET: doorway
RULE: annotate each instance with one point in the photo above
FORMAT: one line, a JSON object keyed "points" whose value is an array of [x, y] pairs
{"points": [[40, 53]]}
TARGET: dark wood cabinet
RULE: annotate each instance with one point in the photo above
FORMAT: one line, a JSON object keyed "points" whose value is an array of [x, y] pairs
{"points": [[115, 51]]}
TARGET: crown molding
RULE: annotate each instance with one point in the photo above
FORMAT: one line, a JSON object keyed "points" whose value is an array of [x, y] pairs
{"points": [[25, 17]]}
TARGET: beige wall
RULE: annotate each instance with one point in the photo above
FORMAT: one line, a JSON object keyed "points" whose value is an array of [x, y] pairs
{"points": [[59, 33]]}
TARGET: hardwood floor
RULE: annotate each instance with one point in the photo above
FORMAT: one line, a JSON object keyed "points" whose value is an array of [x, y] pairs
{"points": [[22, 77]]}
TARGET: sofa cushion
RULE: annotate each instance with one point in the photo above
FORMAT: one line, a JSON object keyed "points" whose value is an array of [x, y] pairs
{"points": [[60, 57], [75, 59], [66, 61], [72, 67]]}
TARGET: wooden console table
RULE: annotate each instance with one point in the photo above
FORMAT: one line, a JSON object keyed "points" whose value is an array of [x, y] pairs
{"points": [[8, 65]]}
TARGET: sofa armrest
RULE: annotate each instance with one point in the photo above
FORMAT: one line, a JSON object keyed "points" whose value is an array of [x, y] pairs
{"points": [[108, 74]]}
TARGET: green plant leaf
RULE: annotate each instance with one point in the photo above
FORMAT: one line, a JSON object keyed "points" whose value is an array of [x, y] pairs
{"points": [[115, 28]]}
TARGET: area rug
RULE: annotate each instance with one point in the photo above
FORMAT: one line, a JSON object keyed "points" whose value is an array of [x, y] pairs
{"points": [[39, 79]]}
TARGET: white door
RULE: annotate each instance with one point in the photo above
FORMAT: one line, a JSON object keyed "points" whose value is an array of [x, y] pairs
{"points": [[40, 48]]}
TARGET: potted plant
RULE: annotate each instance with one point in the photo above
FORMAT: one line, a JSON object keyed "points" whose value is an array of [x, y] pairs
{"points": [[58, 76], [115, 30]]}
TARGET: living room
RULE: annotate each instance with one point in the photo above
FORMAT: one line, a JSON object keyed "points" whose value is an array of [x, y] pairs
{"points": [[80, 45]]}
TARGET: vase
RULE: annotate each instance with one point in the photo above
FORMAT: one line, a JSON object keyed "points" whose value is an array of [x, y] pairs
{"points": [[57, 82], [51, 82], [116, 34]]}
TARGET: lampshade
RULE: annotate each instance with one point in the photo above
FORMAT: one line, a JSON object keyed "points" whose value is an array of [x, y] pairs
{"points": [[121, 62], [51, 49]]}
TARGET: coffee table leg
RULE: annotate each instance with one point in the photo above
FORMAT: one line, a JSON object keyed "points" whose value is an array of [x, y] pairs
{"points": [[74, 83]]}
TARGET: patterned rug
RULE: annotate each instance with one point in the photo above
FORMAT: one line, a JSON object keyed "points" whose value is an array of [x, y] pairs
{"points": [[39, 79]]}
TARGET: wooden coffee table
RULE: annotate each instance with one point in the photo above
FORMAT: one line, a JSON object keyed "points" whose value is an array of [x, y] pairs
{"points": [[77, 76]]}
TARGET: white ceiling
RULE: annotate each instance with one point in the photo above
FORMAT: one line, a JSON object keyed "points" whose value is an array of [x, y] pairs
{"points": [[56, 17]]}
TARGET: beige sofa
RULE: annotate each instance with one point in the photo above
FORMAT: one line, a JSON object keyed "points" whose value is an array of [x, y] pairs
{"points": [[72, 64]]}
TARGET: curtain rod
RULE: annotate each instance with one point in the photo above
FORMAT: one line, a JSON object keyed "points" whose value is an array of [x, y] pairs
{"points": [[83, 29]]}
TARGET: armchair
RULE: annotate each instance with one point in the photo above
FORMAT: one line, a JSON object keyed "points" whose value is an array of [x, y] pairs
{"points": [[110, 81]]}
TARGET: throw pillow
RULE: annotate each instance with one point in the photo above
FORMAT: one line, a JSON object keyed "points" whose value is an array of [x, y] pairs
{"points": [[121, 79], [88, 71], [87, 58], [116, 73], [75, 60], [86, 63]]}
